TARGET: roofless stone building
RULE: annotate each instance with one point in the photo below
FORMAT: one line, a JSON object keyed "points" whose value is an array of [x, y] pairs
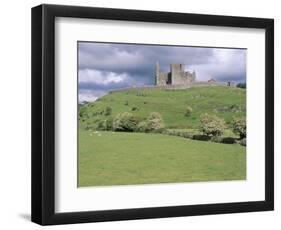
{"points": [[176, 76]]}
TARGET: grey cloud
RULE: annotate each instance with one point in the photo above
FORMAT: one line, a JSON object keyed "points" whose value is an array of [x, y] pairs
{"points": [[137, 59]]}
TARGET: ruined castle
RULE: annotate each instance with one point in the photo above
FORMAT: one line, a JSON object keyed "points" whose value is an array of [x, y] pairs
{"points": [[176, 76]]}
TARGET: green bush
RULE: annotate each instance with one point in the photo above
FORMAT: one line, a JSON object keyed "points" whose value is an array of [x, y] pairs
{"points": [[211, 125], [100, 125], [185, 134], [170, 132], [200, 137], [154, 115], [107, 124], [103, 124], [223, 140], [188, 111], [107, 111], [188, 135], [180, 133], [135, 108], [125, 122], [142, 126], [228, 140], [239, 127], [243, 142], [83, 113], [234, 108], [216, 139], [153, 123], [89, 127]]}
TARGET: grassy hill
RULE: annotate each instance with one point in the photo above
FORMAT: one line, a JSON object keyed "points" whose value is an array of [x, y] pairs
{"points": [[120, 158], [225, 102]]}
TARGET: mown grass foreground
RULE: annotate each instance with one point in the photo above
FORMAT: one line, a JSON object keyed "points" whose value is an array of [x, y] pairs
{"points": [[117, 158]]}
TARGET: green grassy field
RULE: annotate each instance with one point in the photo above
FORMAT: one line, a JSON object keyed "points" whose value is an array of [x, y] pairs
{"points": [[116, 158], [224, 102]]}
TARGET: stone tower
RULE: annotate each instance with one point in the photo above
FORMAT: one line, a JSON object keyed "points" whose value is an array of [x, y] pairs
{"points": [[157, 71], [176, 76]]}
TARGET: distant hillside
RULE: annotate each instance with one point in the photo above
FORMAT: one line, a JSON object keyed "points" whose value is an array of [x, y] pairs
{"points": [[222, 101]]}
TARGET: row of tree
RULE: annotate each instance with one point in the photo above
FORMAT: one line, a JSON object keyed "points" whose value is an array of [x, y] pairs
{"points": [[212, 125], [129, 123]]}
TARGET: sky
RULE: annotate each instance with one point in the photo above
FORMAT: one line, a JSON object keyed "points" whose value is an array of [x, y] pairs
{"points": [[107, 66]]}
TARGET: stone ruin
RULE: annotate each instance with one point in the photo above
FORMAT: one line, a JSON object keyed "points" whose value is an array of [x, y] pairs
{"points": [[176, 76]]}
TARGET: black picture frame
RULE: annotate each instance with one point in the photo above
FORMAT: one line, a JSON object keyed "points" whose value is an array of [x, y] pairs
{"points": [[43, 114]]}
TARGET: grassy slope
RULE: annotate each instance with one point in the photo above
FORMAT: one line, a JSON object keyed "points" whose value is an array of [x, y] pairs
{"points": [[108, 158], [172, 104]]}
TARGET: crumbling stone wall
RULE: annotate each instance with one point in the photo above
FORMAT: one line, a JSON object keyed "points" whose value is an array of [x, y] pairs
{"points": [[162, 79], [176, 76]]}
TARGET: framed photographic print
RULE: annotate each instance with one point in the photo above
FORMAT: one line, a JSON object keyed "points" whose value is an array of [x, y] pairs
{"points": [[142, 114]]}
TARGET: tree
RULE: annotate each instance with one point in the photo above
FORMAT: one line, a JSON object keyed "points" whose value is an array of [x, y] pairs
{"points": [[211, 125], [125, 122], [239, 127], [107, 111], [243, 142], [188, 111], [153, 123], [105, 124]]}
